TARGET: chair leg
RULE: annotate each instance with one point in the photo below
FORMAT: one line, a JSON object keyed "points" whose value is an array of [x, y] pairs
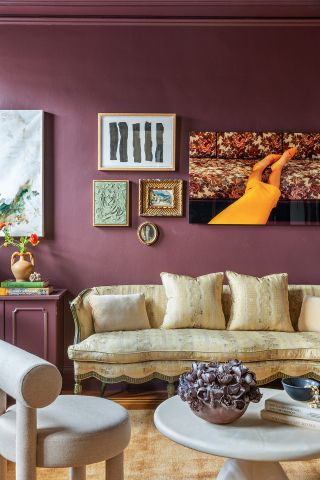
{"points": [[114, 468], [103, 388], [77, 387], [3, 468], [170, 389], [77, 473]]}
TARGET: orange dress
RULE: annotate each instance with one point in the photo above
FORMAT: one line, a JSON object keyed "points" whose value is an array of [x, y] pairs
{"points": [[253, 208]]}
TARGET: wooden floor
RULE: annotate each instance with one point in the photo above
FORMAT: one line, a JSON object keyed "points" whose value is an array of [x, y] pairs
{"points": [[145, 400], [132, 401]]}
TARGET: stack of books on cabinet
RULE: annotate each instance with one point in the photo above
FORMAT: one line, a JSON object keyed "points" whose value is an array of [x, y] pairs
{"points": [[282, 409], [11, 288]]}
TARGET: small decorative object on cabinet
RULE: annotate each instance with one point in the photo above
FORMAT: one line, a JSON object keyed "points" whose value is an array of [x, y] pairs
{"points": [[36, 277], [35, 324], [160, 198], [219, 392], [111, 203], [136, 141], [21, 154], [148, 233], [22, 269]]}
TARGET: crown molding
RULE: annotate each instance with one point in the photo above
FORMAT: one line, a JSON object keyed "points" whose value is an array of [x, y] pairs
{"points": [[157, 3], [164, 22], [160, 12]]}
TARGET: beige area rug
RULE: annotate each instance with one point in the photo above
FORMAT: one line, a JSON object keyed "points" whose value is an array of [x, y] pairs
{"points": [[152, 456]]}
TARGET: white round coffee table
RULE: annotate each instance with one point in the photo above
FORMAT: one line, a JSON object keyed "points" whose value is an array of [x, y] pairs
{"points": [[253, 446]]}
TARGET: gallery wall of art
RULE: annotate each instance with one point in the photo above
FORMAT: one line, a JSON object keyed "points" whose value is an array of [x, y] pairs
{"points": [[244, 78]]}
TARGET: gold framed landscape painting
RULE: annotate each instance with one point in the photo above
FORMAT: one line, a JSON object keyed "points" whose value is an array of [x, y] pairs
{"points": [[136, 141], [110, 203], [160, 198]]}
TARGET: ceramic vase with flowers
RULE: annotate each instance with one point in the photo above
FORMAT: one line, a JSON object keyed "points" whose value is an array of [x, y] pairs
{"points": [[22, 261]]}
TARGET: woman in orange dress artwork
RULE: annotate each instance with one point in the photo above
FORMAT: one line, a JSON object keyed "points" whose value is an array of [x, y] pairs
{"points": [[255, 206]]}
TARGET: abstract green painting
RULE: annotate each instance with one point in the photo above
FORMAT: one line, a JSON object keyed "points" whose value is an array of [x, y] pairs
{"points": [[110, 203]]}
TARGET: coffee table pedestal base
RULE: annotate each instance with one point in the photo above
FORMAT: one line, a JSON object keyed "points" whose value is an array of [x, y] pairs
{"points": [[246, 470]]}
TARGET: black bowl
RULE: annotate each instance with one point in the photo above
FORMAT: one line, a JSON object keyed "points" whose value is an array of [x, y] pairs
{"points": [[297, 388]]}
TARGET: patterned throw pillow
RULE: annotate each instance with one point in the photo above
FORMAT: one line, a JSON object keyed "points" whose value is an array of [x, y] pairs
{"points": [[119, 312], [259, 303], [248, 144], [309, 319], [308, 144], [193, 302]]}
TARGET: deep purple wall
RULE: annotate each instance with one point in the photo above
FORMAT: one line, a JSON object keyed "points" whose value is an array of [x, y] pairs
{"points": [[243, 78]]}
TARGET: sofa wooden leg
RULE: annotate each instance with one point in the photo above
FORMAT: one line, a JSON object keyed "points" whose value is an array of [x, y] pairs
{"points": [[77, 387], [103, 388], [170, 389], [3, 468], [77, 473], [114, 468]]}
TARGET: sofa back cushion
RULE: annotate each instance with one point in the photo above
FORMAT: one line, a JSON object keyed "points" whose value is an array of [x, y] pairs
{"points": [[308, 144], [248, 144], [156, 302]]}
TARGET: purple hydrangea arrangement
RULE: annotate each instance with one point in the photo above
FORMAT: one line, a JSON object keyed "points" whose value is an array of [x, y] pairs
{"points": [[223, 387]]}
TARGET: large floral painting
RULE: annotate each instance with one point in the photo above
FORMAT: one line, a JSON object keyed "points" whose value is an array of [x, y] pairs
{"points": [[21, 167], [228, 168]]}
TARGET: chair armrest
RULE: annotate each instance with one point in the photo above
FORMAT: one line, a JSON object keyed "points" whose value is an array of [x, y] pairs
{"points": [[32, 381], [82, 316]]}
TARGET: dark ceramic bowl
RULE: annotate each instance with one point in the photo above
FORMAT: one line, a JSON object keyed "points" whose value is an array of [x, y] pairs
{"points": [[220, 415], [297, 388]]}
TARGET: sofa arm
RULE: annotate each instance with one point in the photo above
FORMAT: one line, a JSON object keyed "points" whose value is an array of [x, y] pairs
{"points": [[82, 316]]}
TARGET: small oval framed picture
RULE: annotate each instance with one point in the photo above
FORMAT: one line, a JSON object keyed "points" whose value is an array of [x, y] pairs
{"points": [[148, 233]]}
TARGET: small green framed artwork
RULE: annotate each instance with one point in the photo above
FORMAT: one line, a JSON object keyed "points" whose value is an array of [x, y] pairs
{"points": [[110, 203]]}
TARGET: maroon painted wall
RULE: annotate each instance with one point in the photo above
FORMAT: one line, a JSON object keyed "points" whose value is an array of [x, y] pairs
{"points": [[242, 78]]}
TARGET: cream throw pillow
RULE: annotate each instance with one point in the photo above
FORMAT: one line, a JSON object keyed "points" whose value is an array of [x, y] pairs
{"points": [[119, 312], [309, 320], [259, 303], [193, 302]]}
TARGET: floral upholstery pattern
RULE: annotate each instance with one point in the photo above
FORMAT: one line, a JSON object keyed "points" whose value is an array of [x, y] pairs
{"points": [[220, 179], [308, 144], [248, 144], [203, 144]]}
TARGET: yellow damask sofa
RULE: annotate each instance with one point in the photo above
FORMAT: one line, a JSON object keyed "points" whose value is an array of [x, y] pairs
{"points": [[142, 355]]}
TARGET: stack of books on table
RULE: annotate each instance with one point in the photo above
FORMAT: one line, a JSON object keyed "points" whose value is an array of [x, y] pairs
{"points": [[11, 287], [283, 409]]}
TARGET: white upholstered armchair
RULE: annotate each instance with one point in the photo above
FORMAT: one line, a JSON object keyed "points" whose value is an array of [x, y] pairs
{"points": [[66, 430]]}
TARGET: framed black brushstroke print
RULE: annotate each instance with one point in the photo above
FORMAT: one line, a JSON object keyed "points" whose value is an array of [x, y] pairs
{"points": [[136, 141]]}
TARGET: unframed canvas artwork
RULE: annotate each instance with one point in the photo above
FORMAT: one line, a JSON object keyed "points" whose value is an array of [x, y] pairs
{"points": [[254, 178], [21, 167]]}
